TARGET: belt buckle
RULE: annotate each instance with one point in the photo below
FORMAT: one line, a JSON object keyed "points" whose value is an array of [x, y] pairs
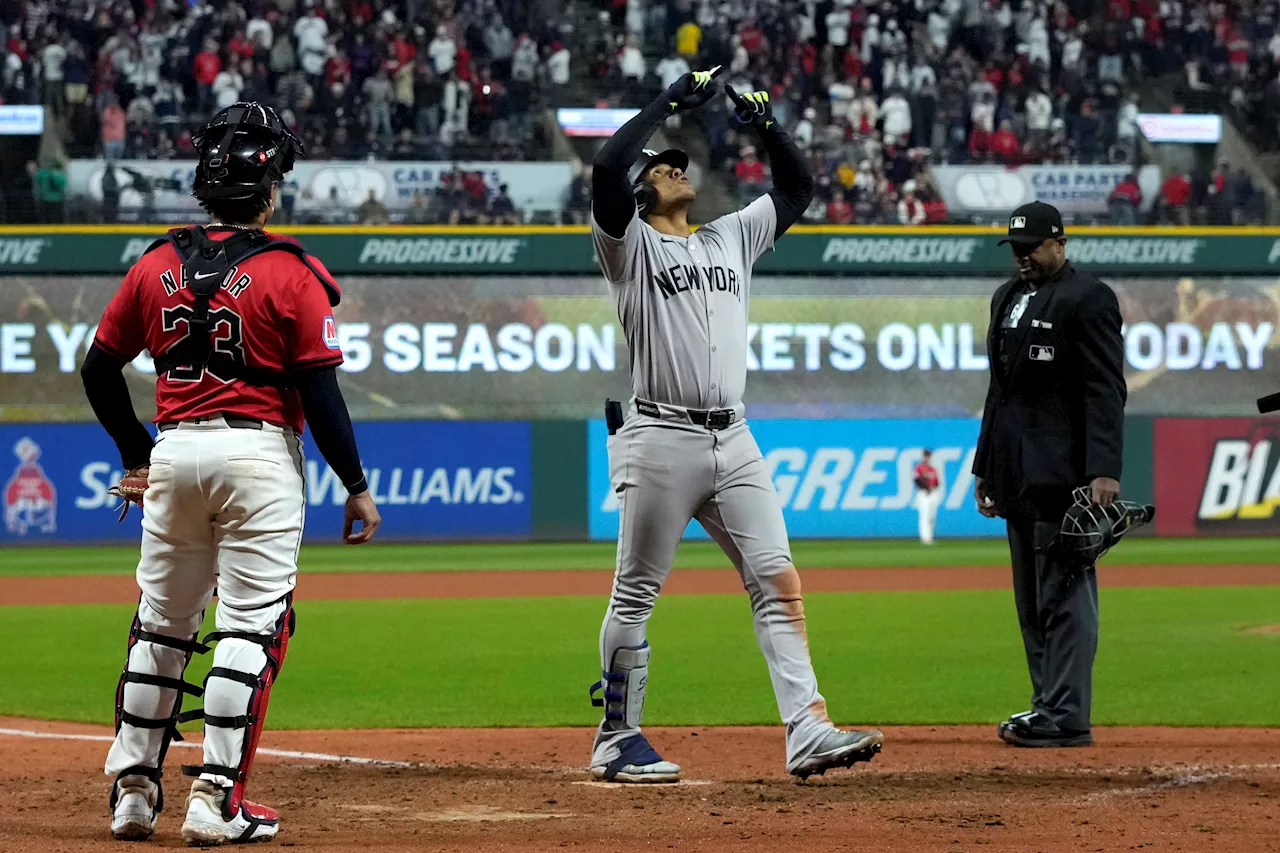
{"points": [[720, 418]]}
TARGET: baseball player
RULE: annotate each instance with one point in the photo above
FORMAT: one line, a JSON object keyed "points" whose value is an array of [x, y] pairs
{"points": [[928, 496], [683, 450], [240, 325]]}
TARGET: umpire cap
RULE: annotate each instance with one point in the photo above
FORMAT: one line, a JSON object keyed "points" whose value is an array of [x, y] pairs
{"points": [[245, 149], [649, 158], [1034, 223]]}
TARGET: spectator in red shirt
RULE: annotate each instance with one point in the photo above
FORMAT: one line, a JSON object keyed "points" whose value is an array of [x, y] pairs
{"points": [[1176, 196], [750, 173], [240, 44], [1124, 201], [1238, 53], [205, 68], [979, 143], [752, 37], [839, 211], [1004, 144], [910, 210]]}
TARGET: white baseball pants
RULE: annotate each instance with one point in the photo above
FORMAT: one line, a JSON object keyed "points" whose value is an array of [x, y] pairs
{"points": [[224, 508], [927, 504]]}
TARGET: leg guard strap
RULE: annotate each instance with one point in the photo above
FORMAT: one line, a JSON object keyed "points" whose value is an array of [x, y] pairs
{"points": [[152, 773], [192, 646]]}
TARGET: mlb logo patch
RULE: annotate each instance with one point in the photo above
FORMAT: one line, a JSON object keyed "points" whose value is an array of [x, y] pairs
{"points": [[1040, 353], [331, 333], [1018, 222]]}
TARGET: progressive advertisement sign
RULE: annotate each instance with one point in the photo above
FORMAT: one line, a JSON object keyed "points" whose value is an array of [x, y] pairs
{"points": [[838, 479], [1218, 476], [431, 480]]}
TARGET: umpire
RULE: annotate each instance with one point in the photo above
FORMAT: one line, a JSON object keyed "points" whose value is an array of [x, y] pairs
{"points": [[1053, 421]]}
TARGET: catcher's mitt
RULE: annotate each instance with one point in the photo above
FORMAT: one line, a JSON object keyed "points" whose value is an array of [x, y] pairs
{"points": [[131, 489]]}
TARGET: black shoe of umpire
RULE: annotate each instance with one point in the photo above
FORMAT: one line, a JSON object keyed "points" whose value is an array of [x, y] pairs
{"points": [[1033, 730]]}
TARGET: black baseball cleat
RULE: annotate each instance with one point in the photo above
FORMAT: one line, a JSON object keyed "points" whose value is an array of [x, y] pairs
{"points": [[1022, 730]]}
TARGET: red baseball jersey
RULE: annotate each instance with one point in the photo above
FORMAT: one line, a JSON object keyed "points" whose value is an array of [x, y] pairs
{"points": [[928, 473], [274, 313]]}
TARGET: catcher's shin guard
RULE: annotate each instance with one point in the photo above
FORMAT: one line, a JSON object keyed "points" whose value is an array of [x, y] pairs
{"points": [[232, 645], [157, 660]]}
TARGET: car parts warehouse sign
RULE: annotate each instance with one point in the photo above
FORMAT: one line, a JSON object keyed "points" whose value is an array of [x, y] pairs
{"points": [[819, 250]]}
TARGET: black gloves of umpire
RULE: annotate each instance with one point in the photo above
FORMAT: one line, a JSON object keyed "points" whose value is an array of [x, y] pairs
{"points": [[692, 90], [753, 108]]}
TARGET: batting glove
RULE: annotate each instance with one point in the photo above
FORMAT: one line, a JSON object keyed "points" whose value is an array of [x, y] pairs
{"points": [[753, 108], [692, 90]]}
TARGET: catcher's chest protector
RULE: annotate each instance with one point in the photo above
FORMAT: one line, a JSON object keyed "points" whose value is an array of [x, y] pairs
{"points": [[207, 266]]}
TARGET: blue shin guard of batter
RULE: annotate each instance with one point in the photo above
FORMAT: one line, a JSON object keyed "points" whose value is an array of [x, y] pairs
{"points": [[623, 684]]}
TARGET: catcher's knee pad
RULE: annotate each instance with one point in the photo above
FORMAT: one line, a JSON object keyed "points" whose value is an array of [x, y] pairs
{"points": [[156, 660], [624, 683], [264, 662]]}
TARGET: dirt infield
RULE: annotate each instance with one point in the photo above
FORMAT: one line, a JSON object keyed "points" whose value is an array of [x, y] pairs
{"points": [[121, 589], [933, 788]]}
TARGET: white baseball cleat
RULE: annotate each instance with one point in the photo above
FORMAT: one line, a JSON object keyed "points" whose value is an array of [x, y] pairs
{"points": [[207, 824], [133, 817], [637, 763], [838, 749]]}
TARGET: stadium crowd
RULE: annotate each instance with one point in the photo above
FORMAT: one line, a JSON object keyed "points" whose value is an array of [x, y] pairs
{"points": [[357, 78], [876, 91]]}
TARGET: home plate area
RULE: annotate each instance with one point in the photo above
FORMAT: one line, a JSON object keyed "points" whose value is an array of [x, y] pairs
{"points": [[933, 788]]}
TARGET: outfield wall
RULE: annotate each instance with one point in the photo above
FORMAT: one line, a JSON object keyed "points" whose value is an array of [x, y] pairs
{"points": [[548, 480]]}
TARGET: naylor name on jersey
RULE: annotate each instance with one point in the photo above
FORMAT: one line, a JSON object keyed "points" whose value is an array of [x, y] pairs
{"points": [[678, 278], [233, 284]]}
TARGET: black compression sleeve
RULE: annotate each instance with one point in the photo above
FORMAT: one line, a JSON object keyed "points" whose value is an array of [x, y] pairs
{"points": [[612, 203], [108, 394], [792, 181], [330, 423]]}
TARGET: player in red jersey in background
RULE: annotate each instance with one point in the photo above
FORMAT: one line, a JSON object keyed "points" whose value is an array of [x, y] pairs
{"points": [[928, 497], [240, 325]]}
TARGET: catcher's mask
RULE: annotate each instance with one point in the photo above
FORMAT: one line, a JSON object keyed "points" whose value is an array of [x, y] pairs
{"points": [[1088, 530]]}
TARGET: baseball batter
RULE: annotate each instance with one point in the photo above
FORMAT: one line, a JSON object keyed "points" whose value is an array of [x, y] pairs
{"points": [[683, 450], [240, 324]]}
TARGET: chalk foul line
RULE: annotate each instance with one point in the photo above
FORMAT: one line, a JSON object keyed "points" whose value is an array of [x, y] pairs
{"points": [[278, 753]]}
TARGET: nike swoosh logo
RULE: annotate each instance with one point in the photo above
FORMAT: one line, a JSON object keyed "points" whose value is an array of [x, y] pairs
{"points": [[199, 277]]}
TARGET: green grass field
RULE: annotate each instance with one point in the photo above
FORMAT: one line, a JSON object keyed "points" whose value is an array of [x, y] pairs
{"points": [[599, 555], [1178, 656]]}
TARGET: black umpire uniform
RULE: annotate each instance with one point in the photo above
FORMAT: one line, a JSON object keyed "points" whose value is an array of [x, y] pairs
{"points": [[1053, 421]]}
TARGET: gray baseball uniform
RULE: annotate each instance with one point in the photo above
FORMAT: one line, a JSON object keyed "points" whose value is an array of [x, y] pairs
{"points": [[683, 306]]}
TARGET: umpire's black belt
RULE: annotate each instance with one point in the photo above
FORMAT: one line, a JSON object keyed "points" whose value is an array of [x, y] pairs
{"points": [[233, 421], [713, 419]]}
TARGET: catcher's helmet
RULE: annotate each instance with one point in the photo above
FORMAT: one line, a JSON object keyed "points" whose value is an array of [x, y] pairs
{"points": [[243, 151], [644, 193], [1088, 530]]}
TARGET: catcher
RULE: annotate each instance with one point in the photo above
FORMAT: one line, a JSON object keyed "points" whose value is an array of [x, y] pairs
{"points": [[240, 325]]}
